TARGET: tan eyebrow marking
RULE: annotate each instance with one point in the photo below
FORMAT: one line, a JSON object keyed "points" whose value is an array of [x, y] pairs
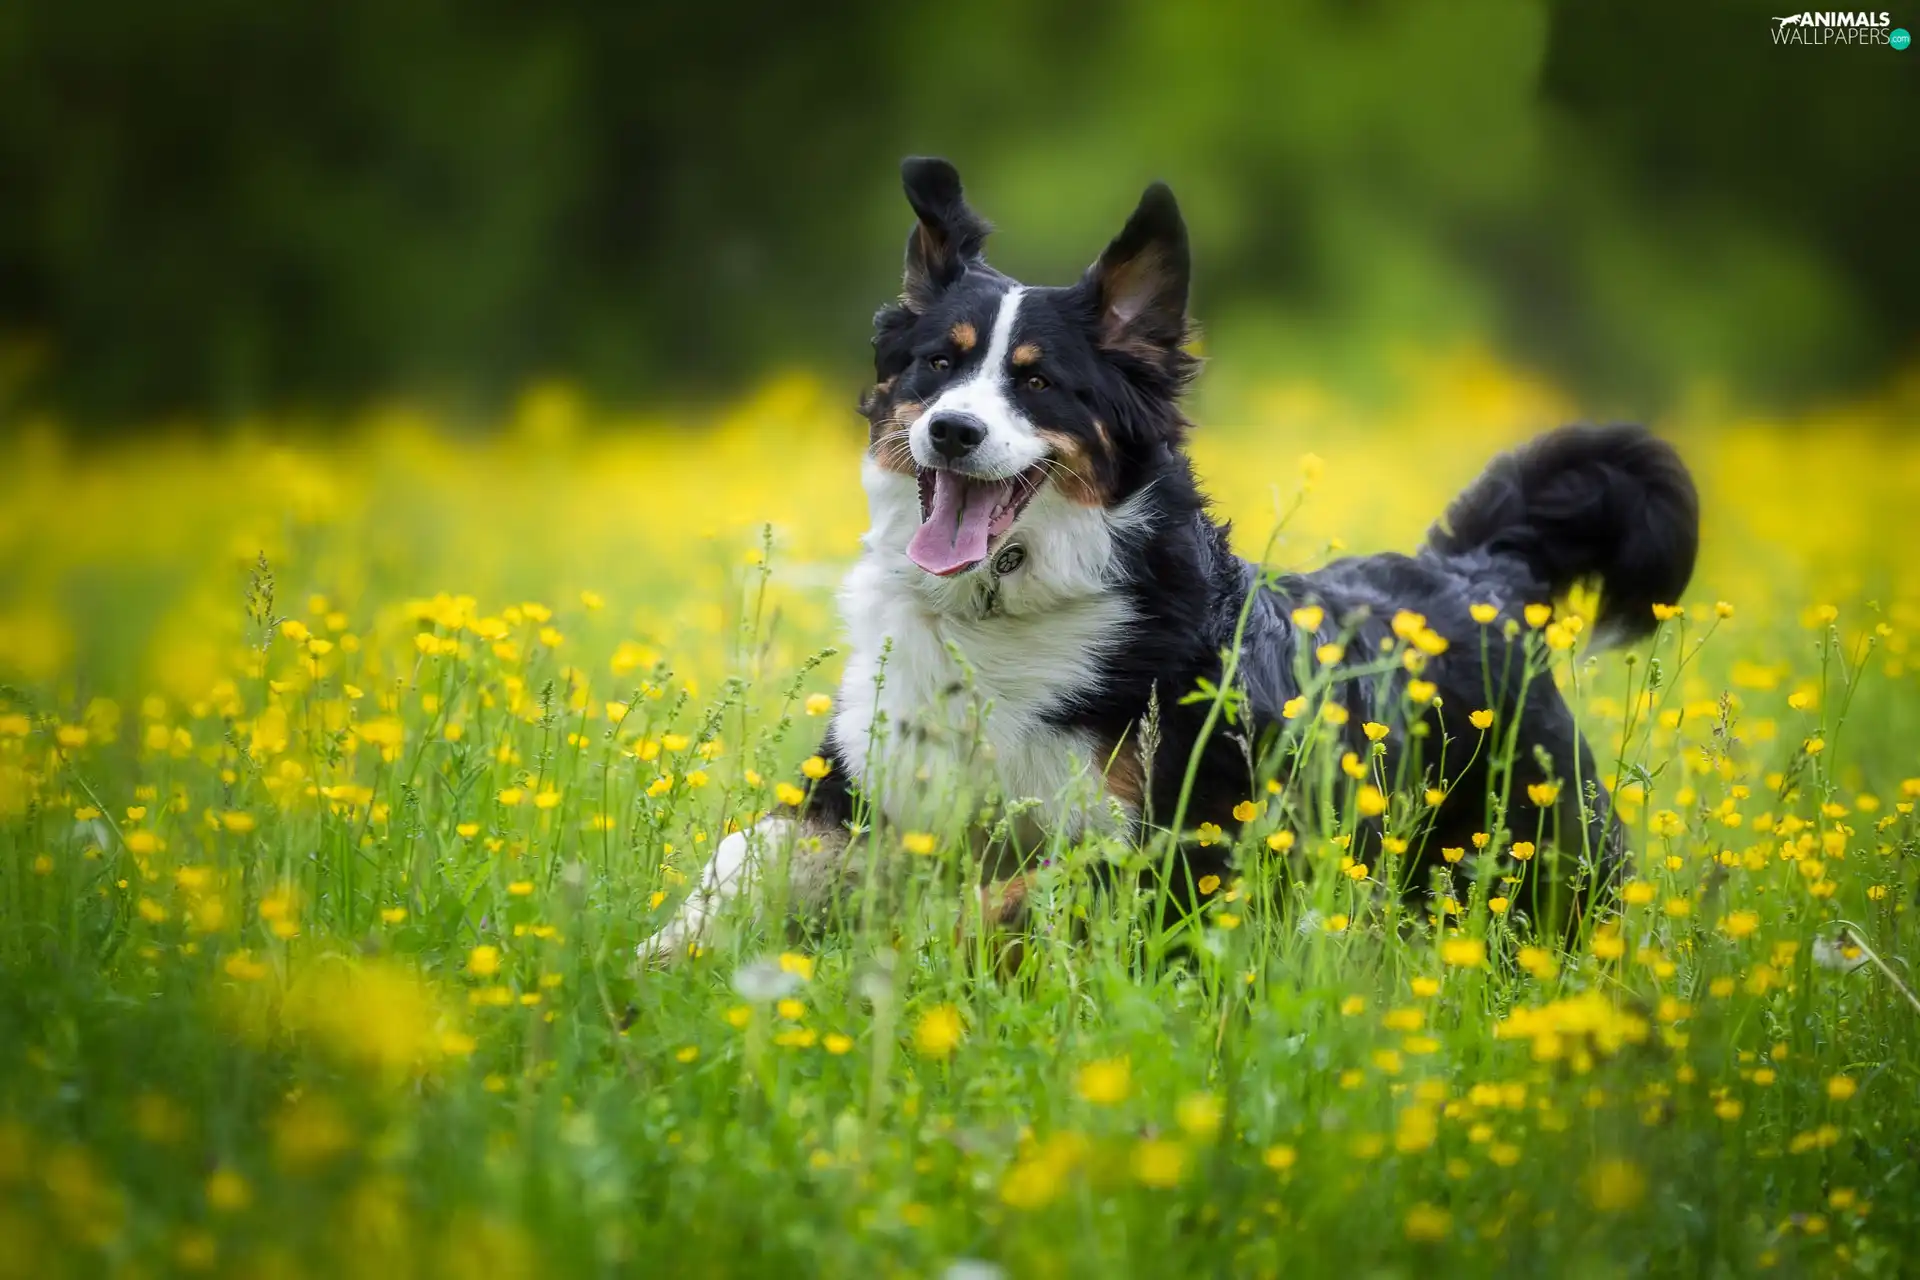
{"points": [[964, 336], [1027, 353]]}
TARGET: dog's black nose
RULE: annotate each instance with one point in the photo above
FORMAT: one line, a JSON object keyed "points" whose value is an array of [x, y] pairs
{"points": [[954, 435]]}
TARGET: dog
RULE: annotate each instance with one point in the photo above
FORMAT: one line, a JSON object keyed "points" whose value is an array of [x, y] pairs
{"points": [[1043, 603]]}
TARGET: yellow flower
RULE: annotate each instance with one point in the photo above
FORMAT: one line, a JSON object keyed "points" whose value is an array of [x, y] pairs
{"points": [[1543, 793], [1616, 1185], [1840, 1088], [1407, 624], [1246, 811], [1463, 953], [1334, 714], [818, 704], [1350, 764], [1453, 853], [1329, 653], [521, 888], [1208, 833], [815, 767], [837, 1044], [1199, 1115], [788, 794], [510, 796], [1538, 615], [1105, 1081], [1421, 692], [483, 961], [1668, 612], [1738, 924], [1279, 1158], [1522, 849], [1428, 1223], [1498, 906], [686, 1053], [1483, 613], [1227, 920], [1159, 1162], [917, 842], [1292, 707], [467, 830], [938, 1032], [1374, 730], [392, 915], [1721, 609], [547, 799], [1309, 616], [1209, 883], [1537, 961], [228, 1192], [1637, 893], [1280, 841]]}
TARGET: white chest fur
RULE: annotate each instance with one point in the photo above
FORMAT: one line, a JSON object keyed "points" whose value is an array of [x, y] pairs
{"points": [[950, 682]]}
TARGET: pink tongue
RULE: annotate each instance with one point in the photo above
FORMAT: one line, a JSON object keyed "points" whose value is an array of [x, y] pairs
{"points": [[954, 536]]}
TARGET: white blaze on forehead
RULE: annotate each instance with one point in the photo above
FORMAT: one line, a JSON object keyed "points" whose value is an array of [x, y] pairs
{"points": [[1010, 446], [985, 394]]}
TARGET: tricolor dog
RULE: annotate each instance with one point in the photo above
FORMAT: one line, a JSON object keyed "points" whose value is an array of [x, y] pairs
{"points": [[1042, 586]]}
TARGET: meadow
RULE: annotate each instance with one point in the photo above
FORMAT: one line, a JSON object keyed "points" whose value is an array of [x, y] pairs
{"points": [[343, 765]]}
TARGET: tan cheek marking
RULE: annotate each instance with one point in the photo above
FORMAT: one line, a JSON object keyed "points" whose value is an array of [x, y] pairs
{"points": [[1026, 353], [1078, 482], [964, 336], [887, 440]]}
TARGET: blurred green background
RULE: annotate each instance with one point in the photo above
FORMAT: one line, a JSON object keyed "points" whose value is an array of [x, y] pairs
{"points": [[216, 207]]}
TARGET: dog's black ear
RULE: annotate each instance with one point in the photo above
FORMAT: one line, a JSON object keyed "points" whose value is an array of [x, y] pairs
{"points": [[949, 234], [1140, 282]]}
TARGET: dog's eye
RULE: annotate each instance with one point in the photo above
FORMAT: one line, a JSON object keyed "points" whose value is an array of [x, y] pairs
{"points": [[939, 364], [1037, 383]]}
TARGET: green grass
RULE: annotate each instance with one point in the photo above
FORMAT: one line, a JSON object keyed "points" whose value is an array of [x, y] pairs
{"points": [[328, 967]]}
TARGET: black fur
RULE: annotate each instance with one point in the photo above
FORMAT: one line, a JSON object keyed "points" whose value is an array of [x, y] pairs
{"points": [[1609, 503]]}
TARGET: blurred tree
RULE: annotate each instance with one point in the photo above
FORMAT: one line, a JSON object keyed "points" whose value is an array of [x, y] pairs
{"points": [[213, 206]]}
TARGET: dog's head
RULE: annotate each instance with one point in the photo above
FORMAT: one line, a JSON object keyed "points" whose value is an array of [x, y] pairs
{"points": [[992, 396]]}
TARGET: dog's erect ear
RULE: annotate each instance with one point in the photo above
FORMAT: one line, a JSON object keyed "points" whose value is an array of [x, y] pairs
{"points": [[1140, 282], [948, 236]]}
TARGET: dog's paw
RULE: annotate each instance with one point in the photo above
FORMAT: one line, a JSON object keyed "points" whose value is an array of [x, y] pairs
{"points": [[691, 928], [678, 941]]}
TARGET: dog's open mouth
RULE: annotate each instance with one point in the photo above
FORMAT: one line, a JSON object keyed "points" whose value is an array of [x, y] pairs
{"points": [[960, 517]]}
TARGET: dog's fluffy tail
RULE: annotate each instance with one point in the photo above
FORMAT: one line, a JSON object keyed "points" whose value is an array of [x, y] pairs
{"points": [[1608, 502]]}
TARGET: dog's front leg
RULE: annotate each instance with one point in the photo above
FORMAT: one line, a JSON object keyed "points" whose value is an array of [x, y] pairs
{"points": [[809, 851], [732, 871]]}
